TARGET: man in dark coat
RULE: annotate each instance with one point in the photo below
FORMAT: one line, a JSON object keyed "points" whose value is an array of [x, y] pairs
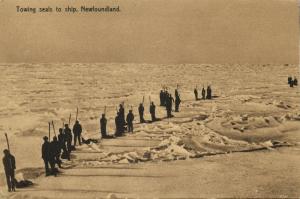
{"points": [[9, 165], [103, 122], [48, 157], [56, 150], [169, 104], [290, 79], [177, 103], [161, 97], [62, 142], [119, 125], [77, 130], [196, 93], [129, 120], [68, 136], [209, 93], [203, 93], [152, 112], [122, 113], [295, 81], [141, 113]]}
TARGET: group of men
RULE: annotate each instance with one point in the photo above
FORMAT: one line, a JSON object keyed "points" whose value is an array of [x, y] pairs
{"points": [[51, 151], [292, 82], [208, 93], [120, 122], [167, 100]]}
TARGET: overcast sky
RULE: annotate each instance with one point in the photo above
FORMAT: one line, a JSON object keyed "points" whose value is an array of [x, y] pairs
{"points": [[153, 31]]}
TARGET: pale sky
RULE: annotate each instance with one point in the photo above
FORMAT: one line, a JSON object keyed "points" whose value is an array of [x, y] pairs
{"points": [[153, 31]]}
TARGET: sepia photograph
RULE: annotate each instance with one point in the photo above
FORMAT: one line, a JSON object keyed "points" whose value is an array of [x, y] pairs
{"points": [[149, 99]]}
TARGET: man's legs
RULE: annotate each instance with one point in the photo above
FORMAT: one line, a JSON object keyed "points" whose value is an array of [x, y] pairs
{"points": [[8, 182], [46, 167]]}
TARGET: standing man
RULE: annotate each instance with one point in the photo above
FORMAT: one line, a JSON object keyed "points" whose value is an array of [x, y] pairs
{"points": [[141, 113], [9, 165], [209, 93], [203, 93], [196, 93], [77, 130], [161, 97], [56, 150], [177, 103], [122, 112], [103, 122], [129, 120], [152, 112], [68, 136], [47, 156], [62, 142]]}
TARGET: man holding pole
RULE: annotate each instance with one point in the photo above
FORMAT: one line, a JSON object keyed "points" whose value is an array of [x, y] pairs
{"points": [[9, 164], [77, 130]]}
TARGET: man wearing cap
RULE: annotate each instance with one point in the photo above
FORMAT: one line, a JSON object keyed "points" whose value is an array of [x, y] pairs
{"points": [[9, 164], [46, 155]]}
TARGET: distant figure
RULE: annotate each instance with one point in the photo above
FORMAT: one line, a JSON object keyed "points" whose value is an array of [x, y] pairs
{"points": [[9, 165], [48, 157], [169, 104], [62, 142], [152, 112], [122, 113], [176, 93], [129, 120], [77, 130], [196, 94], [161, 97], [119, 125], [209, 93], [177, 103], [55, 151], [295, 82], [68, 136], [141, 113], [290, 79], [292, 83], [203, 93], [103, 122]]}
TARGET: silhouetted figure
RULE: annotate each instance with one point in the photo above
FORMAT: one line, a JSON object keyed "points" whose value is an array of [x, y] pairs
{"points": [[48, 157], [292, 83], [122, 113], [129, 120], [209, 93], [161, 97], [141, 113], [290, 79], [9, 164], [203, 93], [295, 82], [169, 104], [55, 151], [176, 93], [103, 123], [196, 94], [62, 143], [177, 103], [68, 136], [152, 112], [77, 130], [119, 125]]}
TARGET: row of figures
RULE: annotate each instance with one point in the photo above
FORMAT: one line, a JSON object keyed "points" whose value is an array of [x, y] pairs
{"points": [[60, 147], [208, 93], [292, 82], [167, 101], [122, 124]]}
